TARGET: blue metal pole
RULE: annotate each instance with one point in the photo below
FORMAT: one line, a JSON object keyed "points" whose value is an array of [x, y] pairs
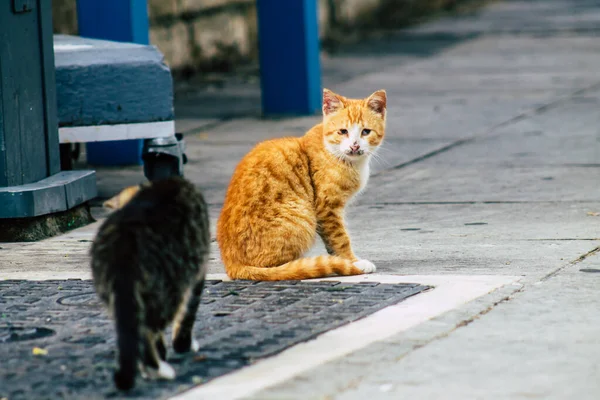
{"points": [[120, 21], [290, 69]]}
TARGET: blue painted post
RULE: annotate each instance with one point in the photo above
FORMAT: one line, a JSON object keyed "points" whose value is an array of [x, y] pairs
{"points": [[290, 70], [120, 21]]}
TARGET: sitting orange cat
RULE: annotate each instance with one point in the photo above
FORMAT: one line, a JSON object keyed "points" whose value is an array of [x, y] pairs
{"points": [[287, 190]]}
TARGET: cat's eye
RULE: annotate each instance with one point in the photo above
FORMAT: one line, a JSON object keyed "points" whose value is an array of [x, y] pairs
{"points": [[343, 131], [365, 132]]}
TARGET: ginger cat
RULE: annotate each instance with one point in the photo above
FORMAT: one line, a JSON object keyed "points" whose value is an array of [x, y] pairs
{"points": [[287, 190]]}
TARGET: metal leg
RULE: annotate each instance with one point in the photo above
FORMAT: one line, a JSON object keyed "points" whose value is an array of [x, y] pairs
{"points": [[164, 157]]}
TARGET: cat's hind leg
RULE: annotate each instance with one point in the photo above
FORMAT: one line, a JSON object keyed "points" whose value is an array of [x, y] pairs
{"points": [[165, 371], [153, 365], [183, 340], [161, 346]]}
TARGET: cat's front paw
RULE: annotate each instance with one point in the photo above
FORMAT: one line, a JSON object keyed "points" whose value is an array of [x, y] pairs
{"points": [[366, 266]]}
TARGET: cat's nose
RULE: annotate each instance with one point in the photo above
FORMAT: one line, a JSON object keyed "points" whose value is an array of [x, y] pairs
{"points": [[355, 147]]}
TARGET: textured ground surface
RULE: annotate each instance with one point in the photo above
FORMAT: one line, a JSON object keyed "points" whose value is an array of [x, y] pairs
{"points": [[238, 323], [491, 166]]}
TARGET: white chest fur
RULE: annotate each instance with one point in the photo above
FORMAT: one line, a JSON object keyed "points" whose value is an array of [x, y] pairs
{"points": [[363, 172], [363, 169]]}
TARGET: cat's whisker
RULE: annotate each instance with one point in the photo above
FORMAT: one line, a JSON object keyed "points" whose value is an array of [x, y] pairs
{"points": [[383, 147], [340, 156], [331, 163], [379, 157], [382, 162], [379, 163]]}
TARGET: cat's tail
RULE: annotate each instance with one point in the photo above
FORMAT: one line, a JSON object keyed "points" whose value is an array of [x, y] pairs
{"points": [[127, 320], [303, 268]]}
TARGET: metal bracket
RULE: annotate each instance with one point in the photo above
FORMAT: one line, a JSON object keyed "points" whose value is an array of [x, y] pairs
{"points": [[23, 6], [164, 157]]}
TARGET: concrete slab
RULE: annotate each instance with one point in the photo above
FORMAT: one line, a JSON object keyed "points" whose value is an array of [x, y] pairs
{"points": [[472, 238], [542, 343], [100, 82], [449, 292], [490, 184], [519, 17], [549, 156], [504, 81], [191, 125]]}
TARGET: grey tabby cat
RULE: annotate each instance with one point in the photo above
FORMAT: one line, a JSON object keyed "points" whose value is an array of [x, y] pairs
{"points": [[148, 265]]}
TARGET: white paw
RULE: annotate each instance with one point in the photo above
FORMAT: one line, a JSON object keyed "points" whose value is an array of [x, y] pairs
{"points": [[195, 345], [143, 371], [165, 371], [365, 266]]}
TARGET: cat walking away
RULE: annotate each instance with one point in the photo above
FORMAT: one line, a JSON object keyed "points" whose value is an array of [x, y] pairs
{"points": [[148, 266], [285, 191]]}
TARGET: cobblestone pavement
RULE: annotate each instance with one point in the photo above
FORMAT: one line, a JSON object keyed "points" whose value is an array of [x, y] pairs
{"points": [[238, 323]]}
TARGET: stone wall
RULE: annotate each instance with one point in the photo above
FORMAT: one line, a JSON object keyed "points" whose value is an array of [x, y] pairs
{"points": [[202, 35]]}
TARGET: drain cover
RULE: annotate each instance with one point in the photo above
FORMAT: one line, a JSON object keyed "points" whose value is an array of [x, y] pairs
{"points": [[238, 323]]}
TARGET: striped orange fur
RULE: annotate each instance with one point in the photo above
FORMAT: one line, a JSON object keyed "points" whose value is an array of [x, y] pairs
{"points": [[123, 197], [286, 191]]}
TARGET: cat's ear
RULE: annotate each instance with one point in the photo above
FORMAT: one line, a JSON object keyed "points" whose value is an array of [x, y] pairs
{"points": [[331, 102], [377, 102]]}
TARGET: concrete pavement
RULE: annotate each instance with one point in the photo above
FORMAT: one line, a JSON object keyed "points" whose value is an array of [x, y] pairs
{"points": [[491, 166], [513, 189]]}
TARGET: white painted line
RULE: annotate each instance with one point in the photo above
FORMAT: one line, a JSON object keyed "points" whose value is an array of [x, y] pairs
{"points": [[45, 275], [71, 47], [450, 292], [102, 133]]}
